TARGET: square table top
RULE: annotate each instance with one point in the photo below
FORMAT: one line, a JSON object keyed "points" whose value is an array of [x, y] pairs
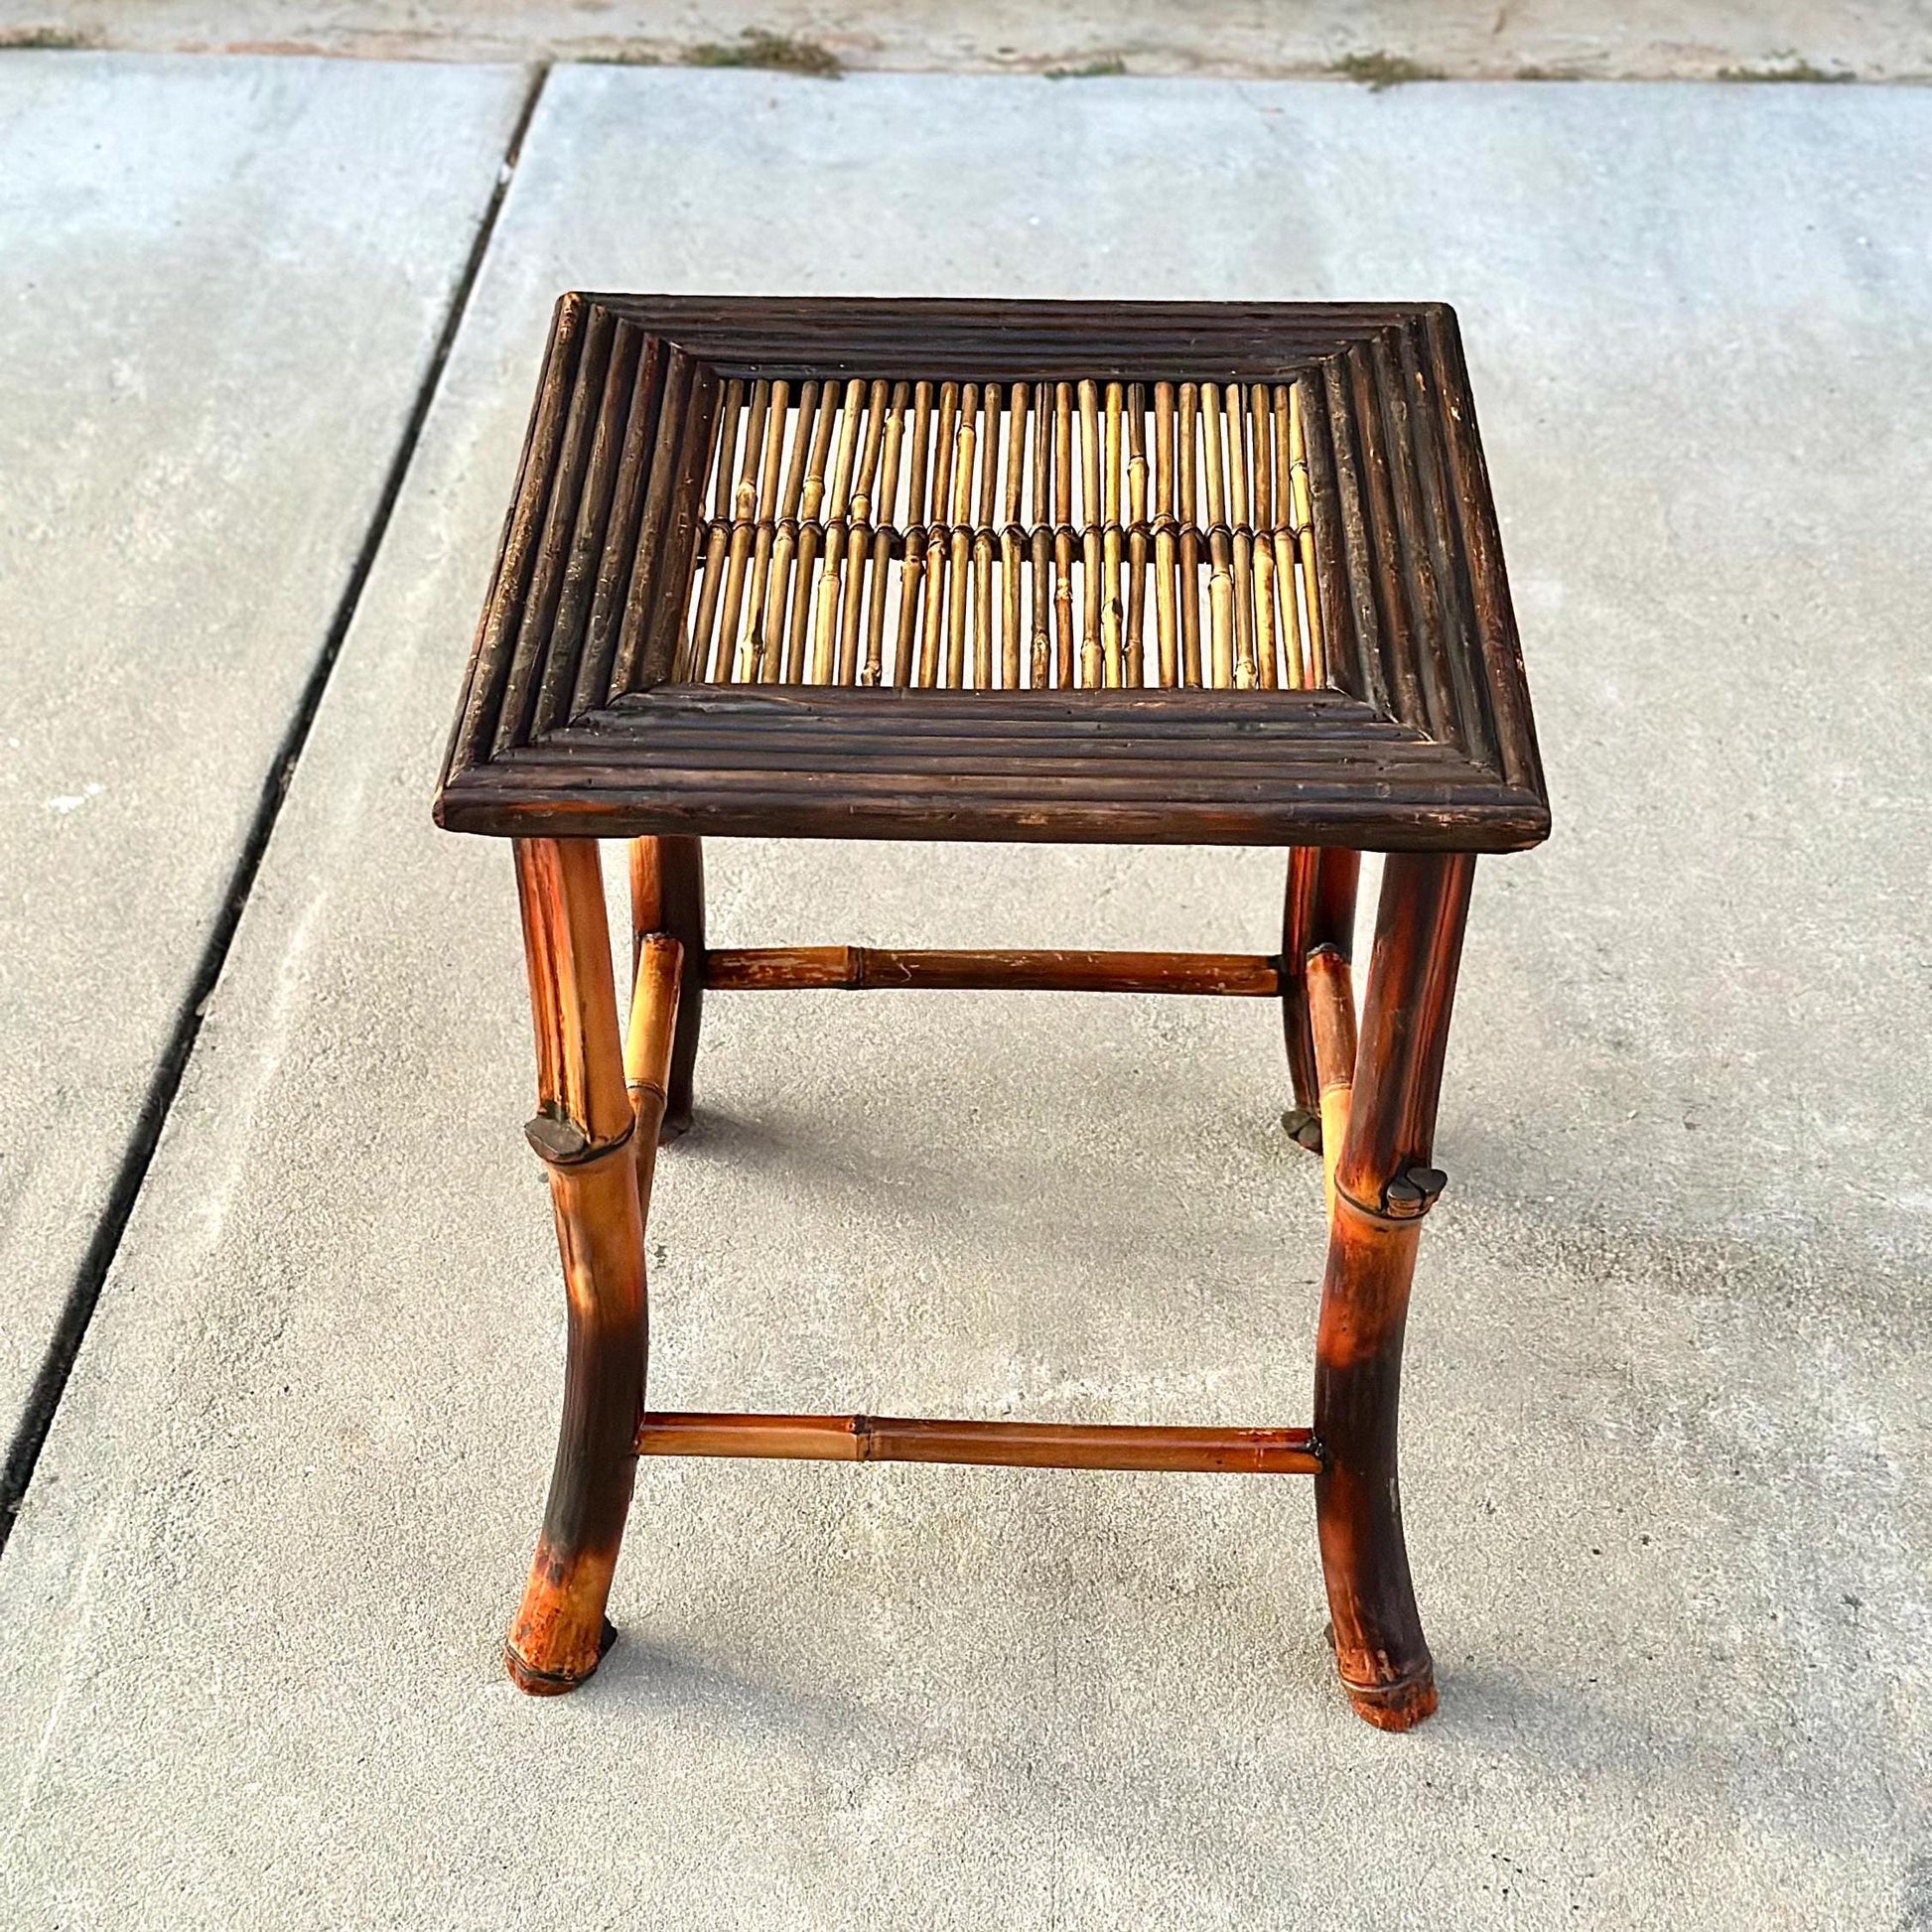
{"points": [[1189, 572]]}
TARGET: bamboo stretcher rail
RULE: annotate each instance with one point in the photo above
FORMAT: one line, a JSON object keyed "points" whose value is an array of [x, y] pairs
{"points": [[778, 969], [1020, 1444], [1002, 536]]}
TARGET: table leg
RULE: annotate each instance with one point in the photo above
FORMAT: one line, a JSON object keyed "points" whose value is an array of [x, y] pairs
{"points": [[583, 1130], [667, 896], [1382, 1186], [1318, 913]]}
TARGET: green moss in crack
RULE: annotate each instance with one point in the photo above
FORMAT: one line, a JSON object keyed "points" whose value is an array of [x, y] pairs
{"points": [[62, 40], [1378, 70], [1107, 70], [757, 48]]}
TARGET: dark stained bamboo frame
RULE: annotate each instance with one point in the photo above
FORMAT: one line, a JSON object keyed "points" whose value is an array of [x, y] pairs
{"points": [[1332, 668], [1399, 722]]}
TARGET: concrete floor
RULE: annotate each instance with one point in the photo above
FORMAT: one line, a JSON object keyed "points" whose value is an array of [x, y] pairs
{"points": [[224, 283], [1666, 1427]]}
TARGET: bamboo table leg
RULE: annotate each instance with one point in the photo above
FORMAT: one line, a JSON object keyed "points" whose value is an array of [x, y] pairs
{"points": [[584, 1131], [1318, 913], [667, 896], [1382, 1186]]}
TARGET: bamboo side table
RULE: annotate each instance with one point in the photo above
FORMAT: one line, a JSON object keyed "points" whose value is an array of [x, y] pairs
{"points": [[1186, 574]]}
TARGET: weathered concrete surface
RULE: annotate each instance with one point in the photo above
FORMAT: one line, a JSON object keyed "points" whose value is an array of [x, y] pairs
{"points": [[1375, 40], [220, 288], [1666, 1439]]}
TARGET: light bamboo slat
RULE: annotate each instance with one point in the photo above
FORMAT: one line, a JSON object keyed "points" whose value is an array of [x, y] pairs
{"points": [[960, 535]]}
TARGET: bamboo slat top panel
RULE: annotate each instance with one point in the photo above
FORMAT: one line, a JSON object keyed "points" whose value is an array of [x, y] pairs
{"points": [[1182, 573]]}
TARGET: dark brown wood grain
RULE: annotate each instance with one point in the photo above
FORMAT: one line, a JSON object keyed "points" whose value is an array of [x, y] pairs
{"points": [[1352, 658], [1180, 768], [675, 440], [1481, 543], [617, 559], [676, 551], [494, 648], [1455, 615], [570, 725], [591, 536]]}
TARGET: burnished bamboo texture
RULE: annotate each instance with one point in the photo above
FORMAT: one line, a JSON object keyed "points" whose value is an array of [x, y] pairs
{"points": [[779, 969], [603, 1104], [1380, 1185], [1318, 916], [1167, 573], [667, 897], [1011, 1445], [600, 1105], [1191, 574], [1006, 536]]}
